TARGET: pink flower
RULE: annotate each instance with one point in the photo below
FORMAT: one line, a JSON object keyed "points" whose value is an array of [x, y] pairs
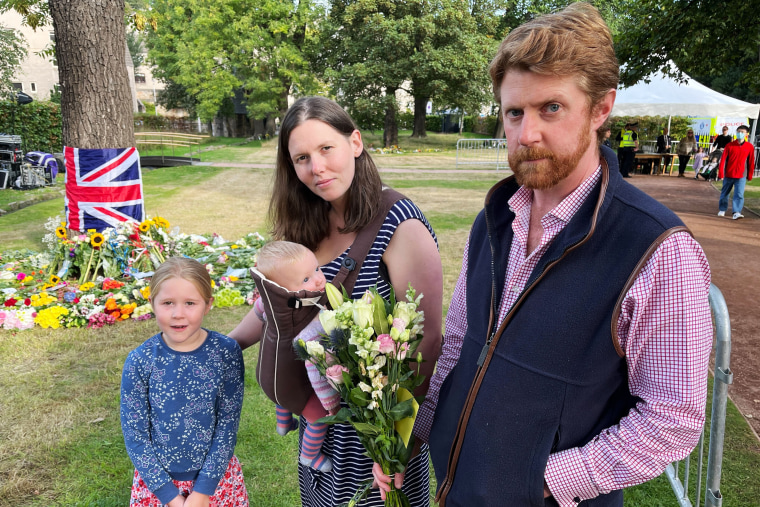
{"points": [[402, 351], [20, 276], [335, 374], [399, 325], [387, 345]]}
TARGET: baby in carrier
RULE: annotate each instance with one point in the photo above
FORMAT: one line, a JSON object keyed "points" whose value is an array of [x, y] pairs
{"points": [[285, 268]]}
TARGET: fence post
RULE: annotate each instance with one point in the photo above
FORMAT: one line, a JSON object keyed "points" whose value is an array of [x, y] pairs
{"points": [[723, 378]]}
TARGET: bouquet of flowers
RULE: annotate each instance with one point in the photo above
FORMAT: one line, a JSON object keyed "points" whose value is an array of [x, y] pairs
{"points": [[368, 354]]}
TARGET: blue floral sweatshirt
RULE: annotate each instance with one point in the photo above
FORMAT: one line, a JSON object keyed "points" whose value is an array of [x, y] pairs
{"points": [[180, 412]]}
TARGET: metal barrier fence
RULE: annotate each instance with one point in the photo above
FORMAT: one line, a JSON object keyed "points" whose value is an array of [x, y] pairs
{"points": [[723, 378], [489, 152]]}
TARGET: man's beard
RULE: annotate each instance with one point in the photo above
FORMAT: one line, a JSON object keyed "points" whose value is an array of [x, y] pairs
{"points": [[554, 168]]}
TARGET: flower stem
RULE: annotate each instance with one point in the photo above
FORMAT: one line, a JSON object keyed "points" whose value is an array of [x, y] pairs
{"points": [[87, 271]]}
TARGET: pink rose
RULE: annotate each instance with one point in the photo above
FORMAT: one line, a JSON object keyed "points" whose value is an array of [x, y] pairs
{"points": [[335, 374], [387, 345], [399, 325]]}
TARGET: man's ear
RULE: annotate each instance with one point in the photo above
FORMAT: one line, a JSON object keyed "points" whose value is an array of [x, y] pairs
{"points": [[601, 111]]}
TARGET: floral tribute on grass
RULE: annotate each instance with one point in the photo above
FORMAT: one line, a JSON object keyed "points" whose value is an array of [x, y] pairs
{"points": [[368, 354], [101, 278]]}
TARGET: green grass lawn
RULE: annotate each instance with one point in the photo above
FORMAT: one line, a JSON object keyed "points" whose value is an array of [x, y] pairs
{"points": [[59, 420]]}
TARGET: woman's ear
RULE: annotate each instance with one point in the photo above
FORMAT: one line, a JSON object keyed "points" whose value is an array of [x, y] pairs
{"points": [[209, 305], [356, 142]]}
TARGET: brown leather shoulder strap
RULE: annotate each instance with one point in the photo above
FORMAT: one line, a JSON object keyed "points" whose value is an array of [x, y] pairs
{"points": [[352, 263]]}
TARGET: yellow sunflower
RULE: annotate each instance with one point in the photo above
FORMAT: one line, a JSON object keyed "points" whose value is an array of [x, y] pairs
{"points": [[96, 240], [54, 280], [161, 222], [145, 226], [60, 232]]}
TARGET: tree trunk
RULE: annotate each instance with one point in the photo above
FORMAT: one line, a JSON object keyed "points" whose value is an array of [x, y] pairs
{"points": [[96, 98], [420, 115], [390, 127]]}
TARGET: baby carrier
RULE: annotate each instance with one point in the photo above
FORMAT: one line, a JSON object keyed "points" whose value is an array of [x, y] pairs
{"points": [[281, 375], [709, 171]]}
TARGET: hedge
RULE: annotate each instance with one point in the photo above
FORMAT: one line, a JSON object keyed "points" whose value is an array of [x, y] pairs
{"points": [[38, 124]]}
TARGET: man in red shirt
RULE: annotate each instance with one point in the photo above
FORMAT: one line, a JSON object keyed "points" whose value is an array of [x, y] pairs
{"points": [[738, 160]]}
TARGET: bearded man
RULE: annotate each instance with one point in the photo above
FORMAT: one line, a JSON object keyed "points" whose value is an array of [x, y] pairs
{"points": [[565, 376]]}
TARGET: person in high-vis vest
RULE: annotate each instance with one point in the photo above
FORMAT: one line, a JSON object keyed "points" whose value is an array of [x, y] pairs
{"points": [[628, 143]]}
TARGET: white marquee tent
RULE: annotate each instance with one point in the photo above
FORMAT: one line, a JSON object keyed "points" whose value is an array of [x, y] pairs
{"points": [[664, 96]]}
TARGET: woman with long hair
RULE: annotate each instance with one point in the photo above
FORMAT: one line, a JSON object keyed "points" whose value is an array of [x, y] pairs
{"points": [[326, 190]]}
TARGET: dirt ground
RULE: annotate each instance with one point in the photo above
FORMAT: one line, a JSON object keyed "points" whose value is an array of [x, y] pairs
{"points": [[732, 248]]}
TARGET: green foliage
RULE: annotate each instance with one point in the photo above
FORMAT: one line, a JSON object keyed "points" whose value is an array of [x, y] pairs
{"points": [[213, 48], [369, 49], [702, 38], [176, 96], [38, 124], [134, 44], [12, 52], [34, 13], [148, 121], [433, 123], [485, 125]]}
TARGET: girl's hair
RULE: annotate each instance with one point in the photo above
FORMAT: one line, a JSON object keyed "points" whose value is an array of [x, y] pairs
{"points": [[295, 212], [187, 269], [275, 254], [572, 42]]}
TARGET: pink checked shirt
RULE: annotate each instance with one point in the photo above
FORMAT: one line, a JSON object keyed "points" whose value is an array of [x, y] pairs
{"points": [[665, 329]]}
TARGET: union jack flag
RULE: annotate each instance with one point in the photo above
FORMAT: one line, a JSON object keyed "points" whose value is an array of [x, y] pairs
{"points": [[103, 188]]}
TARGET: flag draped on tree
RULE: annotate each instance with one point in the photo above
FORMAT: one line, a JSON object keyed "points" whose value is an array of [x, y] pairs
{"points": [[103, 187]]}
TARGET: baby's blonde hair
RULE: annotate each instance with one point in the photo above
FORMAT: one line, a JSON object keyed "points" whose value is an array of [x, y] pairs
{"points": [[187, 269], [276, 254]]}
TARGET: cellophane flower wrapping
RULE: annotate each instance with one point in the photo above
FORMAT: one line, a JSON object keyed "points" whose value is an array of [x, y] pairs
{"points": [[369, 354]]}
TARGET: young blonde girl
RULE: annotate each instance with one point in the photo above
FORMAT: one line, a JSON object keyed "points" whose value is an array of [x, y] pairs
{"points": [[181, 396]]}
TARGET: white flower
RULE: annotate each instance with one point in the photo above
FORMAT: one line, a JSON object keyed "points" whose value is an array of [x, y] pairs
{"points": [[407, 312], [364, 387], [328, 320], [362, 314], [315, 349]]}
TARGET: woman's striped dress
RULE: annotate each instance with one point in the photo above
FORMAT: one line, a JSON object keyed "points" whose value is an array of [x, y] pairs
{"points": [[350, 466]]}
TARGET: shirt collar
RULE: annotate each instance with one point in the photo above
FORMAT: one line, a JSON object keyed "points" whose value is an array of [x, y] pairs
{"points": [[521, 201]]}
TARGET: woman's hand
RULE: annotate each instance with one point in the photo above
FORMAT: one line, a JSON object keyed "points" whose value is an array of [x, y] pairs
{"points": [[383, 481]]}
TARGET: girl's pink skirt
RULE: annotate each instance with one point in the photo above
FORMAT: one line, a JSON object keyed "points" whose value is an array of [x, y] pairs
{"points": [[230, 492]]}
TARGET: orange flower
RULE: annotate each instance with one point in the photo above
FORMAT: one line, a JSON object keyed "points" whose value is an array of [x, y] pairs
{"points": [[111, 305], [112, 284], [127, 310]]}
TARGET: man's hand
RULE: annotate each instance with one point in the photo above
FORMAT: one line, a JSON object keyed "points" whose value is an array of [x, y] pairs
{"points": [[383, 481], [197, 500]]}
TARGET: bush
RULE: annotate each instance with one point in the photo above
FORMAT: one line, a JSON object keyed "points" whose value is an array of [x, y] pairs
{"points": [[433, 123], [38, 124], [145, 121]]}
